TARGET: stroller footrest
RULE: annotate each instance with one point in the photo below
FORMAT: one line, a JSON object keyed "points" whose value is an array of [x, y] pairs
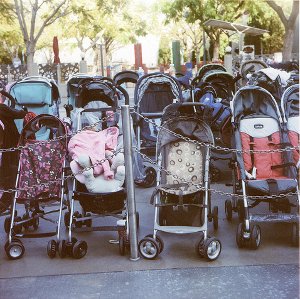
{"points": [[276, 217]]}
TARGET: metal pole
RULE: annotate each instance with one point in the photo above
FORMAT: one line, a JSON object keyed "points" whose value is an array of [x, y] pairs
{"points": [[128, 154]]}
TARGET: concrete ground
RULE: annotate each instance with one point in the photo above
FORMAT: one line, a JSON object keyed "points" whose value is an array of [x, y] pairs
{"points": [[272, 271]]}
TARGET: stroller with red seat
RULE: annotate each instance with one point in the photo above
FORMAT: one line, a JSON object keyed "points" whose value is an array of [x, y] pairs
{"points": [[40, 183], [264, 171]]}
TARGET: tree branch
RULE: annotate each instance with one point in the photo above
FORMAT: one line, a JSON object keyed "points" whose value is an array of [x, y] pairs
{"points": [[279, 11]]}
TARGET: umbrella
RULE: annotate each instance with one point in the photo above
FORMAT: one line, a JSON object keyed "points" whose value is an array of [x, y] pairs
{"points": [[56, 50]]}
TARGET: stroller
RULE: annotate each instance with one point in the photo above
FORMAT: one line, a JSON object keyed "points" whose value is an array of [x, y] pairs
{"points": [[96, 98], [126, 77], [260, 176], [153, 92], [9, 137], [206, 68], [39, 183], [249, 67], [182, 197], [36, 94]]}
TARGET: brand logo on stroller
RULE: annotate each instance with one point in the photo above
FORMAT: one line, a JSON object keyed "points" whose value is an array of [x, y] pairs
{"points": [[258, 126]]}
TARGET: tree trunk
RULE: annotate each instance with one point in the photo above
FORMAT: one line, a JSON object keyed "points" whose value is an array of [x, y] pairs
{"points": [[31, 69], [288, 44], [216, 46]]}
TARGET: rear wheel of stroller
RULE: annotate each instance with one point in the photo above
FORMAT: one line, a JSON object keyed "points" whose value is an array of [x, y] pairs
{"points": [[199, 246], [79, 249], [240, 241], [62, 248], [7, 222], [159, 241], [215, 217], [15, 250], [149, 248], [51, 249], [228, 209], [295, 234], [212, 248], [255, 237]]}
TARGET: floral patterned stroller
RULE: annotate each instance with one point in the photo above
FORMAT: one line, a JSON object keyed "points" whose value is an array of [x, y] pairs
{"points": [[181, 197], [40, 183]]}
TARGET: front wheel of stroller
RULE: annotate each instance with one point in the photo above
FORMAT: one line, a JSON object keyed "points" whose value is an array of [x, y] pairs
{"points": [[199, 246], [51, 249], [159, 241], [255, 237], [228, 209], [15, 250], [62, 248], [212, 248], [79, 249], [215, 217], [295, 234], [240, 241], [149, 248]]}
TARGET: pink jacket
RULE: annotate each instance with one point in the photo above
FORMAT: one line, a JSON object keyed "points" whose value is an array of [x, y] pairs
{"points": [[94, 144]]}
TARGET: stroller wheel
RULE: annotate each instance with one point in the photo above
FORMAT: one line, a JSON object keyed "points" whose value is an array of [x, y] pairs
{"points": [[295, 234], [149, 248], [149, 179], [51, 249], [212, 248], [255, 237], [62, 248], [7, 222], [79, 249], [15, 250], [228, 209], [67, 219], [199, 246], [159, 241], [240, 241], [215, 217]]}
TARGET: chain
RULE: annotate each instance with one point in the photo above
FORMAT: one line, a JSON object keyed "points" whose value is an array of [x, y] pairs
{"points": [[216, 147], [21, 147], [201, 188], [73, 175]]}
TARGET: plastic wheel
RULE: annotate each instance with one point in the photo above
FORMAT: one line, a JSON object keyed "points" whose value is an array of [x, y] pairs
{"points": [[15, 250], [215, 217], [122, 245], [148, 248], [7, 224], [212, 248], [79, 249], [62, 248], [228, 209], [240, 241], [13, 240], [255, 237], [199, 246], [150, 178], [67, 219], [240, 209], [51, 249], [159, 241], [295, 234]]}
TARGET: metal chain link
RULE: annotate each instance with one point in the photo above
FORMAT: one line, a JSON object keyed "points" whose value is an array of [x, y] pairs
{"points": [[73, 175], [216, 147], [148, 159]]}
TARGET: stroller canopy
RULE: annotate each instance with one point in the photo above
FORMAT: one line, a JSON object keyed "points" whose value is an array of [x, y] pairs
{"points": [[153, 92], [254, 100], [210, 67], [251, 66], [35, 91], [126, 76], [290, 101]]}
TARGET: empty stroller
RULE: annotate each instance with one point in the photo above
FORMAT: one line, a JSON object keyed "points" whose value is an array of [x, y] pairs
{"points": [[96, 99], [248, 68], [264, 169], [153, 92], [182, 197], [39, 183]]}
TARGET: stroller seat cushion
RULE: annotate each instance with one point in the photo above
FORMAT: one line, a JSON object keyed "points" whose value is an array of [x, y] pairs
{"points": [[184, 160], [264, 186]]}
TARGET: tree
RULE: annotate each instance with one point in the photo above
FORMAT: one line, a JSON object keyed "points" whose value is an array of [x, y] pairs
{"points": [[34, 17], [289, 26], [203, 10]]}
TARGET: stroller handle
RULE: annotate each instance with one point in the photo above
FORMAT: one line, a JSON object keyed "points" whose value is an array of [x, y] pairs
{"points": [[9, 96], [125, 93]]}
